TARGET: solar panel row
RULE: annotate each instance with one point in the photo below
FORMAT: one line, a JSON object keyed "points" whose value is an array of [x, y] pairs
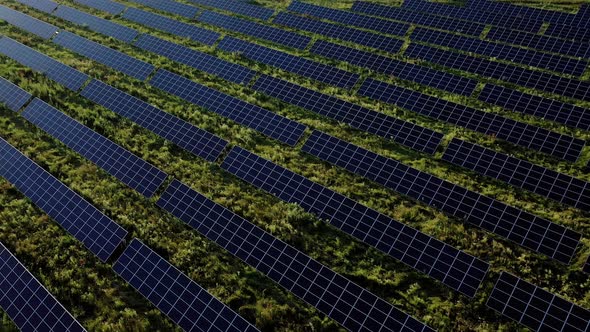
{"points": [[27, 302], [551, 16], [516, 225], [237, 7], [170, 6], [12, 96], [440, 261], [42, 5], [337, 297], [27, 23], [184, 301], [111, 7], [575, 33]]}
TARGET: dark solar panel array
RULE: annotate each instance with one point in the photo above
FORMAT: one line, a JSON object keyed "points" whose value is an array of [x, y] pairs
{"points": [[42, 5], [27, 23], [400, 69], [57, 71], [184, 301], [12, 96], [170, 6], [535, 307], [27, 302], [370, 39], [290, 63], [252, 116], [545, 108], [253, 29], [237, 7], [99, 234], [196, 59], [516, 225], [569, 32], [193, 139], [440, 261], [120, 163], [105, 55], [520, 173], [519, 133], [402, 132], [332, 294], [111, 7]]}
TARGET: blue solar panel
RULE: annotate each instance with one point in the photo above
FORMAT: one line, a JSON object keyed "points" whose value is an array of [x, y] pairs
{"points": [[57, 71], [27, 23], [170, 6], [402, 132], [261, 31], [113, 8], [332, 294], [396, 68], [193, 139], [184, 301], [370, 39], [237, 7], [196, 59], [42, 5], [290, 63], [27, 302], [99, 234], [12, 96], [105, 55], [94, 23], [569, 32], [252, 116], [172, 26], [120, 163], [516, 225]]}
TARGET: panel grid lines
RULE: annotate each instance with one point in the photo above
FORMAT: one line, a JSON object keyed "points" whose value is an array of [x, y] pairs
{"points": [[12, 96], [27, 23]]}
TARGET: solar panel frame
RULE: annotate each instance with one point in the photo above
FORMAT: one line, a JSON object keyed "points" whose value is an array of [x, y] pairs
{"points": [[12, 96], [245, 9], [172, 7], [25, 22], [111, 7]]}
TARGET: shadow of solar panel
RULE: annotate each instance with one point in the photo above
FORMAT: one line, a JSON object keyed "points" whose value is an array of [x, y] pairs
{"points": [[12, 96], [251, 116], [184, 301], [400, 69], [105, 55], [501, 51], [120, 163], [27, 23], [290, 63], [110, 7], [42, 5], [520, 173], [440, 261], [516, 225], [193, 139], [397, 130], [169, 6], [337, 297], [67, 76], [237, 7], [586, 267], [545, 108], [569, 32], [172, 26], [96, 231], [261, 31], [519, 133], [96, 24], [536, 308], [196, 59], [374, 40], [27, 302]]}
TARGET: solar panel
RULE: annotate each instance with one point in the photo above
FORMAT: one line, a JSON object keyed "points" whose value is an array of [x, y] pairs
{"points": [[500, 51], [27, 302], [545, 108], [516, 225], [261, 31], [13, 97], [105, 27], [400, 69], [172, 26], [105, 55], [440, 261], [42, 5], [374, 40], [27, 23], [117, 161], [169, 6], [569, 32], [193, 139], [96, 231], [520, 173], [519, 133], [252, 116], [57, 71], [535, 307], [402, 132], [340, 299], [196, 59], [237, 7], [111, 7], [290, 63], [184, 301]]}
